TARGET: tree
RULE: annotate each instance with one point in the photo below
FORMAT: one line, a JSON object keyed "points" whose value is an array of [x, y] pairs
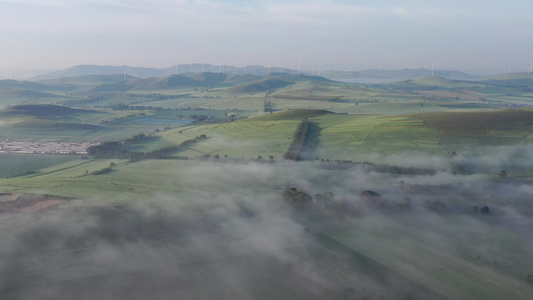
{"points": [[297, 199], [370, 194], [267, 106], [112, 164], [502, 174]]}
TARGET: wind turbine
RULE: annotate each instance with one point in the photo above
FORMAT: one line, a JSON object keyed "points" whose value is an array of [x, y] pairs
{"points": [[432, 66], [298, 67]]}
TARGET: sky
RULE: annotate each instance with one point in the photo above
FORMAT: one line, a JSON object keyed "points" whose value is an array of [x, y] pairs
{"points": [[475, 35]]}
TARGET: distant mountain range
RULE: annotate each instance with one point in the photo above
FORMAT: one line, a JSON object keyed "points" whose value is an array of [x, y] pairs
{"points": [[236, 83], [142, 72], [365, 76], [388, 76]]}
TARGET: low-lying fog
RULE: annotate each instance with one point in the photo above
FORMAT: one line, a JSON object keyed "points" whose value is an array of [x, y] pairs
{"points": [[250, 231]]}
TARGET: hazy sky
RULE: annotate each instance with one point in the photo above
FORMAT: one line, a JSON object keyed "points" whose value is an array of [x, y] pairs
{"points": [[465, 35]]}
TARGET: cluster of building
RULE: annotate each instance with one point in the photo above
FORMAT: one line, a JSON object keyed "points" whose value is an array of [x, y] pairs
{"points": [[45, 147]]}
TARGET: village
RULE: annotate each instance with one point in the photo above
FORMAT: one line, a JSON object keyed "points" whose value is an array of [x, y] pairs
{"points": [[36, 147]]}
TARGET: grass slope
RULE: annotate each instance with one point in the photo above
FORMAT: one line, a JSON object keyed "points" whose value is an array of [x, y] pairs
{"points": [[42, 110], [478, 123], [275, 81], [261, 85], [294, 114], [30, 94], [441, 83], [18, 164], [84, 80], [43, 124], [27, 85]]}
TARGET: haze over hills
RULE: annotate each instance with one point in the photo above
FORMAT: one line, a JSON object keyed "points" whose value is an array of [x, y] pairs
{"points": [[240, 83], [387, 76], [363, 76], [144, 72], [196, 168], [211, 149]]}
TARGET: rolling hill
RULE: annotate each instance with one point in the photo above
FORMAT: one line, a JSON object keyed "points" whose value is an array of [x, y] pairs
{"points": [[437, 82], [295, 114], [478, 122], [275, 81], [42, 110], [26, 85], [387, 76]]}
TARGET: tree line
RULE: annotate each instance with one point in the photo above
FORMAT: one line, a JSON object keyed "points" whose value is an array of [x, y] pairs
{"points": [[295, 149], [108, 150]]}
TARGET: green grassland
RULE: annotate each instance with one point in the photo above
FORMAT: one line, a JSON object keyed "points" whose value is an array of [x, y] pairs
{"points": [[349, 137], [365, 129], [19, 164], [127, 181], [236, 139], [431, 116], [340, 136]]}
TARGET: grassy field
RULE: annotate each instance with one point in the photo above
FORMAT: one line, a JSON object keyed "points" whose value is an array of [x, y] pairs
{"points": [[349, 137], [236, 139], [132, 181], [17, 164]]}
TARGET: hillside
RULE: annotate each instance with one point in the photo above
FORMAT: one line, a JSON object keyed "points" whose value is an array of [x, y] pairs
{"points": [[437, 82], [478, 122], [275, 81], [25, 85], [37, 125], [28, 94], [387, 76], [261, 85], [143, 72], [43, 110], [295, 114], [86, 79]]}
